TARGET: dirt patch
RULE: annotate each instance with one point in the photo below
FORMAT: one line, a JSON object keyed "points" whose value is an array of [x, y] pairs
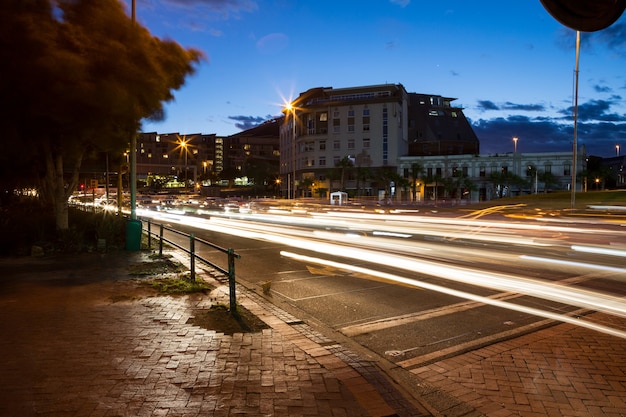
{"points": [[220, 319]]}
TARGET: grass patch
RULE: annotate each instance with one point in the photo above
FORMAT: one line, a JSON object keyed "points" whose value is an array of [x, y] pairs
{"points": [[159, 266], [178, 285]]}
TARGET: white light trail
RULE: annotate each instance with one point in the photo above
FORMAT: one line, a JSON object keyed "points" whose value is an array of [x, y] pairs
{"points": [[460, 294]]}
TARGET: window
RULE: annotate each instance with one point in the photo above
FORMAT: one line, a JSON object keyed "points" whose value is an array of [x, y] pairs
{"points": [[336, 125], [309, 146], [548, 169], [336, 114], [483, 172], [336, 145], [351, 143], [350, 113], [438, 172], [366, 124], [504, 169], [567, 170], [351, 124], [366, 142], [322, 161], [335, 160], [322, 145], [323, 117], [429, 172], [366, 112]]}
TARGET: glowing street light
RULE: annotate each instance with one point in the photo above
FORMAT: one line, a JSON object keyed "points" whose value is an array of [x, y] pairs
{"points": [[617, 149], [184, 144], [289, 107], [515, 139]]}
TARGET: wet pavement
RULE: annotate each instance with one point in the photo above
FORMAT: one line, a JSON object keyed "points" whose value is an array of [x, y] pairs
{"points": [[77, 338]]}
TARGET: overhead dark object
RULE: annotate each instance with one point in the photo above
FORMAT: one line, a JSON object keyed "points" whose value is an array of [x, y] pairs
{"points": [[585, 15]]}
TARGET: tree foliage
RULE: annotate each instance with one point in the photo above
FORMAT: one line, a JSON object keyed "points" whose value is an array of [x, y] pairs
{"points": [[79, 76]]}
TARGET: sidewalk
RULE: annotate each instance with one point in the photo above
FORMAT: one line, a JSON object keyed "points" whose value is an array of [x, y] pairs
{"points": [[73, 343]]}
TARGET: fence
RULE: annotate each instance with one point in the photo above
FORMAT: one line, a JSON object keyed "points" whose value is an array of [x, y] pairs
{"points": [[193, 256]]}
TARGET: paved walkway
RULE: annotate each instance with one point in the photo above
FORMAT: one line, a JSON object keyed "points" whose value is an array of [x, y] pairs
{"points": [[74, 342]]}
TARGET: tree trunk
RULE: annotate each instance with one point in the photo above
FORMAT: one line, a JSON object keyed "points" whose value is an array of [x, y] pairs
{"points": [[58, 191]]}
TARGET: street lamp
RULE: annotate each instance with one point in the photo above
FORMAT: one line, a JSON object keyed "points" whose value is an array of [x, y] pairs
{"points": [[292, 109], [515, 139], [617, 149], [184, 144]]}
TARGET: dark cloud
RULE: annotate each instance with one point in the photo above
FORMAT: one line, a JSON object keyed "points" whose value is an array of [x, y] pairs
{"points": [[487, 105], [602, 88], [595, 111], [599, 129], [523, 107], [248, 122]]}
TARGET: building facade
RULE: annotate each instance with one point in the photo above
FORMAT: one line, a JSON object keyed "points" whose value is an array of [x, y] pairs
{"points": [[324, 126], [187, 157], [348, 139], [487, 177]]}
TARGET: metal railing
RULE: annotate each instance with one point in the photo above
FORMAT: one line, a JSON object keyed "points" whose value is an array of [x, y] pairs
{"points": [[193, 255]]}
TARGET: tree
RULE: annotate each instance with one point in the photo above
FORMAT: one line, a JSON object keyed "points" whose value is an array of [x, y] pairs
{"points": [[81, 79], [416, 172], [344, 164]]}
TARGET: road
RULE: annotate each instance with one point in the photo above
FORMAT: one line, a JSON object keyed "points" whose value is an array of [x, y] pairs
{"points": [[414, 288]]}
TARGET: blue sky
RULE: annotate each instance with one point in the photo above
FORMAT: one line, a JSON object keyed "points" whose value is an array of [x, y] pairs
{"points": [[510, 64]]}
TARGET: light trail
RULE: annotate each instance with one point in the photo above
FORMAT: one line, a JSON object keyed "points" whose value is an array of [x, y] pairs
{"points": [[460, 294], [501, 282]]}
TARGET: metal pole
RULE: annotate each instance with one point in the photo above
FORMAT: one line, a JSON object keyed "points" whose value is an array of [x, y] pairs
{"points": [[574, 150], [133, 156], [149, 234], [231, 282], [161, 240], [293, 149], [192, 256]]}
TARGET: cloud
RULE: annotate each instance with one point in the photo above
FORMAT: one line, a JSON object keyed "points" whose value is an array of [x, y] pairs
{"points": [[223, 8], [272, 43], [248, 122], [523, 107], [484, 105], [401, 3], [599, 129]]}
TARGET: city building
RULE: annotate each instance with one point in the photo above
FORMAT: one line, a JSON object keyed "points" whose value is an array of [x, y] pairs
{"points": [[183, 157], [352, 139], [486, 177]]}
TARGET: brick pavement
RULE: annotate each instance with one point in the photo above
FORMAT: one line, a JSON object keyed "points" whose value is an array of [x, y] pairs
{"points": [[67, 348], [561, 371]]}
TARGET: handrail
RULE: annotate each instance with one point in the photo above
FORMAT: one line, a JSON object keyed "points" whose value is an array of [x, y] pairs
{"points": [[232, 255]]}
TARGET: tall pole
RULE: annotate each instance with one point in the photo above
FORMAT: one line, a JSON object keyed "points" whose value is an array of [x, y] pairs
{"points": [[575, 145], [293, 149], [133, 155]]}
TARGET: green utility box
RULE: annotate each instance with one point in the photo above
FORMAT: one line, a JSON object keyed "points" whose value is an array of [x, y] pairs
{"points": [[133, 235]]}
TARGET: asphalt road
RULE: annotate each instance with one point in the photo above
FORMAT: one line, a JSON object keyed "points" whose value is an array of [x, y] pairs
{"points": [[419, 287]]}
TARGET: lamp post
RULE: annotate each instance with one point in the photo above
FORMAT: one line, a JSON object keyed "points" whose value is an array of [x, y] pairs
{"points": [[291, 108], [617, 149], [515, 139], [183, 145]]}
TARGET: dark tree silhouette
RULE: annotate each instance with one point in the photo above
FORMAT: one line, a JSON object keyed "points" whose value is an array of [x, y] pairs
{"points": [[79, 78]]}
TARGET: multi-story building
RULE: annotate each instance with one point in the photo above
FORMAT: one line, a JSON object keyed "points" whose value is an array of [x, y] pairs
{"points": [[324, 127], [348, 138], [472, 176], [436, 127], [187, 156], [255, 152]]}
